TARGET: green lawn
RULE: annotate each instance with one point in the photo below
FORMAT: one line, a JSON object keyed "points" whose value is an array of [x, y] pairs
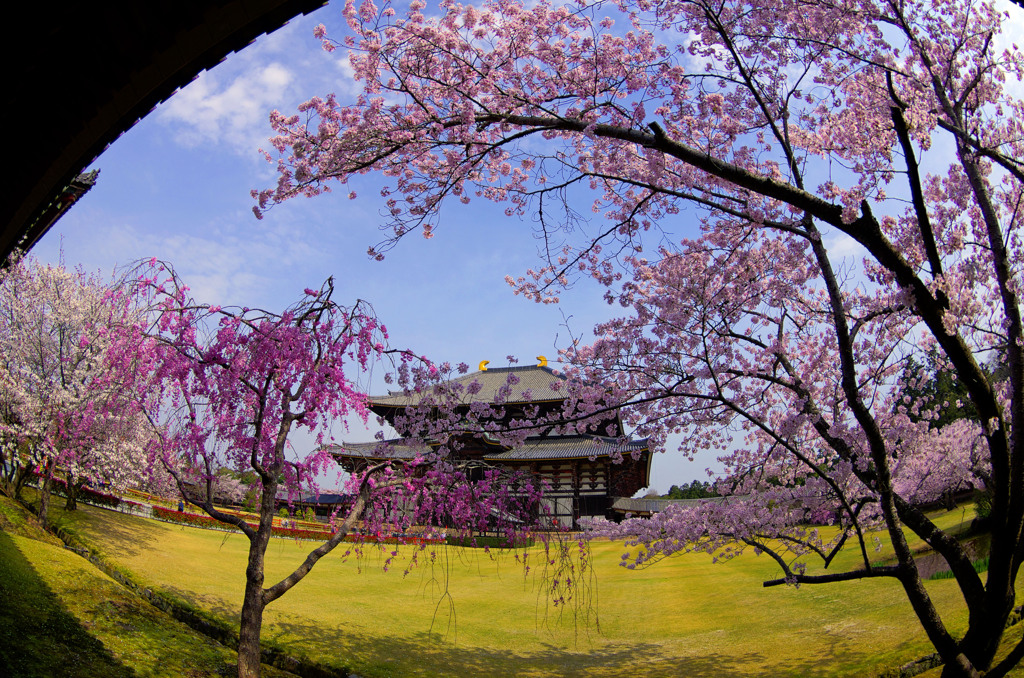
{"points": [[62, 618], [682, 616]]}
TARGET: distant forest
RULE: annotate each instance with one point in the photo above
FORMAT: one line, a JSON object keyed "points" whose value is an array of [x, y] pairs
{"points": [[694, 490]]}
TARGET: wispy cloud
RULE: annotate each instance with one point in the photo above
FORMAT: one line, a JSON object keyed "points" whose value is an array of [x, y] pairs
{"points": [[236, 265], [844, 249], [227, 261], [229, 105], [211, 111]]}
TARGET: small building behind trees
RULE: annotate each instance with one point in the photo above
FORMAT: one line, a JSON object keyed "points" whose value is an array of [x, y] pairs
{"points": [[583, 473], [320, 506]]}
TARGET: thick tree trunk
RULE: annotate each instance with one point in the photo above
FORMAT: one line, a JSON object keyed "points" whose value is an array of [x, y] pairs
{"points": [[987, 627], [988, 619], [251, 626], [10, 477], [71, 489], [255, 598], [8, 471], [44, 492], [979, 653], [20, 480]]}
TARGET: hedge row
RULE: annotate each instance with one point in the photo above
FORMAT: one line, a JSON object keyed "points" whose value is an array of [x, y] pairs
{"points": [[204, 521], [200, 520], [490, 542], [129, 506]]}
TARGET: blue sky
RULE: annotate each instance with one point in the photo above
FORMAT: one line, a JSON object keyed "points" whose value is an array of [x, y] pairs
{"points": [[176, 186]]}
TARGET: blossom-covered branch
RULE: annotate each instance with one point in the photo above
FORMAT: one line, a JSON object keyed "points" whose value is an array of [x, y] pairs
{"points": [[788, 135]]}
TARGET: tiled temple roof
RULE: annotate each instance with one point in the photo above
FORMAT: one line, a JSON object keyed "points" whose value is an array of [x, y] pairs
{"points": [[534, 380], [533, 384], [397, 449]]}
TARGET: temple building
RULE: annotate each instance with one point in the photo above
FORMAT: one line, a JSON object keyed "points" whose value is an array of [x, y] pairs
{"points": [[584, 473]]}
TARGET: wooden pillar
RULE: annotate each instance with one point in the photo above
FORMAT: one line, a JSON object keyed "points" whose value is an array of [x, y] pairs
{"points": [[576, 495]]}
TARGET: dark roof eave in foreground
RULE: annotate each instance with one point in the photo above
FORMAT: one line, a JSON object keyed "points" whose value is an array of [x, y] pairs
{"points": [[111, 63]]}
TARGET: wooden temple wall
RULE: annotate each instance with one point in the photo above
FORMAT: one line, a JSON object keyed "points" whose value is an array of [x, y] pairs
{"points": [[625, 478], [574, 489], [578, 488]]}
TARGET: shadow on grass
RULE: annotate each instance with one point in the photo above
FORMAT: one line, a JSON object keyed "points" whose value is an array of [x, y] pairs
{"points": [[128, 535], [38, 636], [216, 609], [426, 654], [422, 653]]}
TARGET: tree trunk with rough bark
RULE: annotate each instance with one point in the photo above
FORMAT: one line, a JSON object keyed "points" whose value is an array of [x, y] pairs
{"points": [[252, 619], [72, 489], [20, 480], [255, 600], [44, 493]]}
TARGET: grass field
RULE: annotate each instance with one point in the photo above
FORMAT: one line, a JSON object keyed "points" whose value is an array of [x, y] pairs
{"points": [[62, 618], [682, 616]]}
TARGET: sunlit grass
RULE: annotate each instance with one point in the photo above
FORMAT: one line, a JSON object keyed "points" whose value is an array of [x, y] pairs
{"points": [[60, 616], [682, 616]]}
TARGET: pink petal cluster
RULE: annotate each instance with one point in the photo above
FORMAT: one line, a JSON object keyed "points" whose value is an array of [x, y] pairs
{"points": [[223, 390], [850, 174]]}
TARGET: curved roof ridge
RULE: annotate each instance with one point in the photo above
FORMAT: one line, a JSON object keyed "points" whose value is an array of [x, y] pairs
{"points": [[533, 380]]}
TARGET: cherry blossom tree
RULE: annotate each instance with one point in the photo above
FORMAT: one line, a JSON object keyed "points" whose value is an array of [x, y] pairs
{"points": [[230, 387], [62, 413], [850, 175]]}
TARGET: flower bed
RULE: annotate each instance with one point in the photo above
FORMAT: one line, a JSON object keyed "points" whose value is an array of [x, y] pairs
{"points": [[86, 495], [394, 539], [191, 519], [129, 506], [490, 542], [151, 499], [309, 533], [205, 521]]}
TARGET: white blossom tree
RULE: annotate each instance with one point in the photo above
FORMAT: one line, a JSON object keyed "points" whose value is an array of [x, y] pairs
{"points": [[62, 414]]}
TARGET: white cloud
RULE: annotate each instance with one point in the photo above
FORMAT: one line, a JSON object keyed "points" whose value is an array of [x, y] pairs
{"points": [[237, 265], [210, 112], [226, 261], [843, 248], [229, 105]]}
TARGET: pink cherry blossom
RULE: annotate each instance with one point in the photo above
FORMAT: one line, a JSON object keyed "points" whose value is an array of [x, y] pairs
{"points": [[224, 390], [849, 178]]}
